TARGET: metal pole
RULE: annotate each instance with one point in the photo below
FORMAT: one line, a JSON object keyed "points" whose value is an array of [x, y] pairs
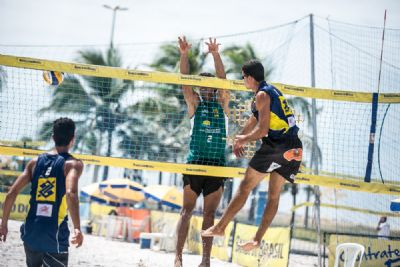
{"points": [[314, 154], [112, 27], [114, 9]]}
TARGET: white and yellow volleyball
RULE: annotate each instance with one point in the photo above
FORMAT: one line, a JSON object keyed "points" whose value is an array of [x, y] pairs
{"points": [[53, 77]]}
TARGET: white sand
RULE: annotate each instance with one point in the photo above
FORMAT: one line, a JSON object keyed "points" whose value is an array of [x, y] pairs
{"points": [[97, 251]]}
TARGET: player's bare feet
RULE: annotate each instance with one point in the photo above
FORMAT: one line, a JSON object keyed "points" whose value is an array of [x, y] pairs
{"points": [[212, 231], [178, 261], [249, 245], [205, 263]]}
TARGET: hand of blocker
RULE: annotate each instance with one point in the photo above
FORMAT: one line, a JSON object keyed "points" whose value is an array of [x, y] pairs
{"points": [[212, 46], [184, 46], [238, 147]]}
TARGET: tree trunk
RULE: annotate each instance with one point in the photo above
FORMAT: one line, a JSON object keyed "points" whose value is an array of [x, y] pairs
{"points": [[109, 144]]}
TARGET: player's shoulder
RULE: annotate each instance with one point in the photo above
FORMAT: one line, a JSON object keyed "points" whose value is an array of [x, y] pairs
{"points": [[73, 162]]}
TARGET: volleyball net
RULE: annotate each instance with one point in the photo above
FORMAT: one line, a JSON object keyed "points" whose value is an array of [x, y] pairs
{"points": [[142, 115]]}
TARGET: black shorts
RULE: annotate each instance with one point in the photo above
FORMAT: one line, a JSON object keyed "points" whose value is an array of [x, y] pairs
{"points": [[205, 184], [282, 156], [38, 259]]}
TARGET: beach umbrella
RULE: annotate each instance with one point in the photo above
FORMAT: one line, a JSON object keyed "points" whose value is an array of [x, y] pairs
{"points": [[166, 195], [93, 193], [123, 190]]}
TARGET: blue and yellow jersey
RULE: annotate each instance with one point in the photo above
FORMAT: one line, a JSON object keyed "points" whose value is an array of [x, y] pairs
{"points": [[209, 126], [46, 226], [282, 120]]}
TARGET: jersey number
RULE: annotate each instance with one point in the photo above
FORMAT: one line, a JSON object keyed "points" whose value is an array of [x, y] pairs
{"points": [[285, 107]]}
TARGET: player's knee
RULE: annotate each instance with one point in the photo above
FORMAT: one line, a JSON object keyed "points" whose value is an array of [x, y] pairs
{"points": [[245, 187], [209, 215], [273, 197], [186, 213]]}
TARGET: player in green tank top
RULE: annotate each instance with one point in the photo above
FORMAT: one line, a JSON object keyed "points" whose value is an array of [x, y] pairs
{"points": [[207, 111]]}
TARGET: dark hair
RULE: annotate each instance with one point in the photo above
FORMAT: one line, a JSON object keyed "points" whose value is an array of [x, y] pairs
{"points": [[206, 74], [255, 69], [63, 131]]}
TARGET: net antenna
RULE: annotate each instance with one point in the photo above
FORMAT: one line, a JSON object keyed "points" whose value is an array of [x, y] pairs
{"points": [[379, 83]]}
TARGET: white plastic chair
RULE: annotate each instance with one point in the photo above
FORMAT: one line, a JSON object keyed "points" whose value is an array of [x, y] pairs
{"points": [[351, 251]]}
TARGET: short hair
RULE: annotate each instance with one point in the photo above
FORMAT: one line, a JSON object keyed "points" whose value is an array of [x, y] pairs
{"points": [[255, 69], [63, 131], [206, 74]]}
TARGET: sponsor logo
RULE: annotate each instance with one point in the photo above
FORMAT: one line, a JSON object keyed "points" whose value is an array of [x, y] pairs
{"points": [[190, 78], [143, 165], [90, 160], [138, 73], [292, 176], [44, 210], [46, 190], [237, 83], [339, 93], [293, 154], [350, 185], [391, 95], [195, 170], [273, 166], [206, 123], [298, 89], [30, 61], [85, 67], [215, 111]]}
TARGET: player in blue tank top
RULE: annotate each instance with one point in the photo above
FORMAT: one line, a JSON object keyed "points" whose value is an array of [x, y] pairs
{"points": [[280, 153], [54, 191]]}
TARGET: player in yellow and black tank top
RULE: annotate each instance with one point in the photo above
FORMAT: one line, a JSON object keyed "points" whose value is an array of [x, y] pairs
{"points": [[282, 120], [280, 153]]}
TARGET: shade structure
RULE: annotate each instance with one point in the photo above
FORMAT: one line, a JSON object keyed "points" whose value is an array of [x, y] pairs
{"points": [[92, 192], [167, 195], [122, 190], [395, 205]]}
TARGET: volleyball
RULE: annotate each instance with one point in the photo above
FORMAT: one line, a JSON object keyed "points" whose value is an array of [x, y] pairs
{"points": [[53, 77]]}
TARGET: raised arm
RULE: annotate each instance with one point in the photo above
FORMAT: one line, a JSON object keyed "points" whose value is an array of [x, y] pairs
{"points": [[223, 95], [191, 98], [73, 170], [19, 184]]}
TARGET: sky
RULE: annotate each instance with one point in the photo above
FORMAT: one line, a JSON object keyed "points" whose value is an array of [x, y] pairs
{"points": [[77, 22]]}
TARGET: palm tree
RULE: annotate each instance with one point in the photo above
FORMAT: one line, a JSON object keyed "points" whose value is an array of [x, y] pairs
{"points": [[95, 101]]}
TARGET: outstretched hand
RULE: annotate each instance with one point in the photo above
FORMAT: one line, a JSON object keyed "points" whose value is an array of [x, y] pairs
{"points": [[184, 46], [213, 46]]}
